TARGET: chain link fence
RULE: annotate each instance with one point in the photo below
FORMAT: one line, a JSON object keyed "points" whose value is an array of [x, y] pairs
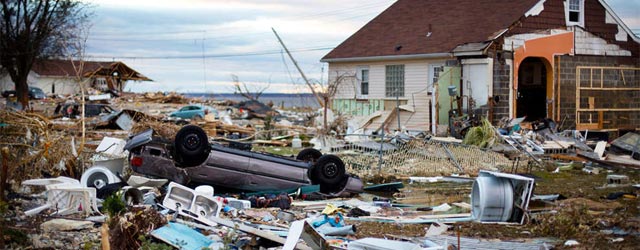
{"points": [[418, 157]]}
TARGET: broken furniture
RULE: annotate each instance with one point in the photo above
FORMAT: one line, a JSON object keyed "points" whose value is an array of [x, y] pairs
{"points": [[65, 195]]}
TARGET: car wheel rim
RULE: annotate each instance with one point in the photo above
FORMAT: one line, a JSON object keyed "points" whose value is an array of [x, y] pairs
{"points": [[99, 184], [330, 170], [191, 142]]}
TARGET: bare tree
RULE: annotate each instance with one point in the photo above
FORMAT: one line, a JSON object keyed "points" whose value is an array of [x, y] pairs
{"points": [[76, 56], [35, 29], [243, 90], [330, 90]]}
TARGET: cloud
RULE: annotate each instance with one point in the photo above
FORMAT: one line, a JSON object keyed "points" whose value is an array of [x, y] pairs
{"points": [[211, 5], [167, 39], [628, 11]]}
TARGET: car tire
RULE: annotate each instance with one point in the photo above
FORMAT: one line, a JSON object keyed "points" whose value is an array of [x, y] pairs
{"points": [[329, 170], [309, 155], [192, 146]]}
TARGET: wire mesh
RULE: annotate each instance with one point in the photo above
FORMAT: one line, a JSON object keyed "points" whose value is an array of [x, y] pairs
{"points": [[418, 157]]}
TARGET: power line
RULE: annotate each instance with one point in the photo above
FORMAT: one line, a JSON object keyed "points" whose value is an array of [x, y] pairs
{"points": [[298, 17], [175, 39], [257, 53]]}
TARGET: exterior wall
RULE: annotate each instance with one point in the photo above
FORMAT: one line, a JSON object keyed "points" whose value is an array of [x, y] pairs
{"points": [[502, 76], [416, 84], [449, 77], [596, 21], [7, 84], [587, 43], [629, 99], [63, 86]]}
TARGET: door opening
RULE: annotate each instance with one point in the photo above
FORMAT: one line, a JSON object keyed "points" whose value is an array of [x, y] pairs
{"points": [[532, 89]]}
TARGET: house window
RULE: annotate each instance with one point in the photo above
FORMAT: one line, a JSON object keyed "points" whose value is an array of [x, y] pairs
{"points": [[364, 82], [394, 82], [436, 73], [574, 11]]}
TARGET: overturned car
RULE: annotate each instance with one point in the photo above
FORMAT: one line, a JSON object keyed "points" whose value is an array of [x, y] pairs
{"points": [[192, 158]]}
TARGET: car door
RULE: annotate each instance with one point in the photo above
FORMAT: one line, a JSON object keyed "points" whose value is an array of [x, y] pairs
{"points": [[224, 167], [197, 111], [269, 172], [191, 112]]}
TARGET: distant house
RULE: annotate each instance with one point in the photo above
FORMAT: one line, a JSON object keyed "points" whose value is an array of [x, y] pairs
{"points": [[499, 58], [60, 77]]}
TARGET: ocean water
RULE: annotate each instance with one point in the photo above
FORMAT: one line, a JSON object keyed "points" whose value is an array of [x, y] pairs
{"points": [[279, 100]]}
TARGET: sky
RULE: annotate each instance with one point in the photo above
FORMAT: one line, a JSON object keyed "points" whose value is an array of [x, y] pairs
{"points": [[199, 45]]}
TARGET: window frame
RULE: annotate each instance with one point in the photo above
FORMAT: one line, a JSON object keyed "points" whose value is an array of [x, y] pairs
{"points": [[434, 69], [568, 9], [394, 80], [363, 91]]}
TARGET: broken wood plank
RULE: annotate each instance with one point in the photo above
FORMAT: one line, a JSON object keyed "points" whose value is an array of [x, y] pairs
{"points": [[462, 205], [271, 142], [566, 157]]}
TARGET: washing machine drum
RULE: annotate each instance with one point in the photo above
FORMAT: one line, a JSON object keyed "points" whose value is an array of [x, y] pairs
{"points": [[98, 177], [492, 199]]}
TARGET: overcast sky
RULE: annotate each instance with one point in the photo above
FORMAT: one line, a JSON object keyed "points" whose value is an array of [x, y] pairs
{"points": [[197, 45]]}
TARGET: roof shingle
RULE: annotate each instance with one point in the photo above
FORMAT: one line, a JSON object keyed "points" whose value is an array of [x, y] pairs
{"points": [[403, 27]]}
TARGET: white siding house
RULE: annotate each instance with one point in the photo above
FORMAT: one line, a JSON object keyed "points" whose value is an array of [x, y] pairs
{"points": [[416, 89]]}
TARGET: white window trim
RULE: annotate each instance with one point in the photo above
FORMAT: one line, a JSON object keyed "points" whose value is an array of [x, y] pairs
{"points": [[432, 67], [566, 14], [359, 94]]}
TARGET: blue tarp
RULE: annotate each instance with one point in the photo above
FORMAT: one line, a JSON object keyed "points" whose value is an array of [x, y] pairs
{"points": [[182, 237]]}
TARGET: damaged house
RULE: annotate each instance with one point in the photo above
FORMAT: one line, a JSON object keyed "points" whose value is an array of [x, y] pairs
{"points": [[573, 61], [60, 77]]}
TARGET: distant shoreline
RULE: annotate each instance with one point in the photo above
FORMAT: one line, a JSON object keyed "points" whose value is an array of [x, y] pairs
{"points": [[300, 100]]}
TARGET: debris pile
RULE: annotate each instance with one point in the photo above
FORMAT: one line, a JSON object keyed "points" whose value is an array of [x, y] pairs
{"points": [[35, 147], [245, 176]]}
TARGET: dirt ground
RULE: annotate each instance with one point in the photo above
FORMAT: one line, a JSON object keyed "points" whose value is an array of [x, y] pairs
{"points": [[584, 214], [587, 215]]}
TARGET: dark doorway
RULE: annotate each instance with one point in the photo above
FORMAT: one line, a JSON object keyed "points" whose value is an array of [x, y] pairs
{"points": [[532, 89]]}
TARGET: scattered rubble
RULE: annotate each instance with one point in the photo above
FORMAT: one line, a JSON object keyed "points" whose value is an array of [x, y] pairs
{"points": [[398, 191]]}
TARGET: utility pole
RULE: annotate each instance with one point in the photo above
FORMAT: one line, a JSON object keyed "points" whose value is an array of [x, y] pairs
{"points": [[398, 108], [320, 101]]}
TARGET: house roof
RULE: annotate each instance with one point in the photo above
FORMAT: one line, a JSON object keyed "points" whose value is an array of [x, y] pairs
{"points": [[65, 68], [423, 27]]}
